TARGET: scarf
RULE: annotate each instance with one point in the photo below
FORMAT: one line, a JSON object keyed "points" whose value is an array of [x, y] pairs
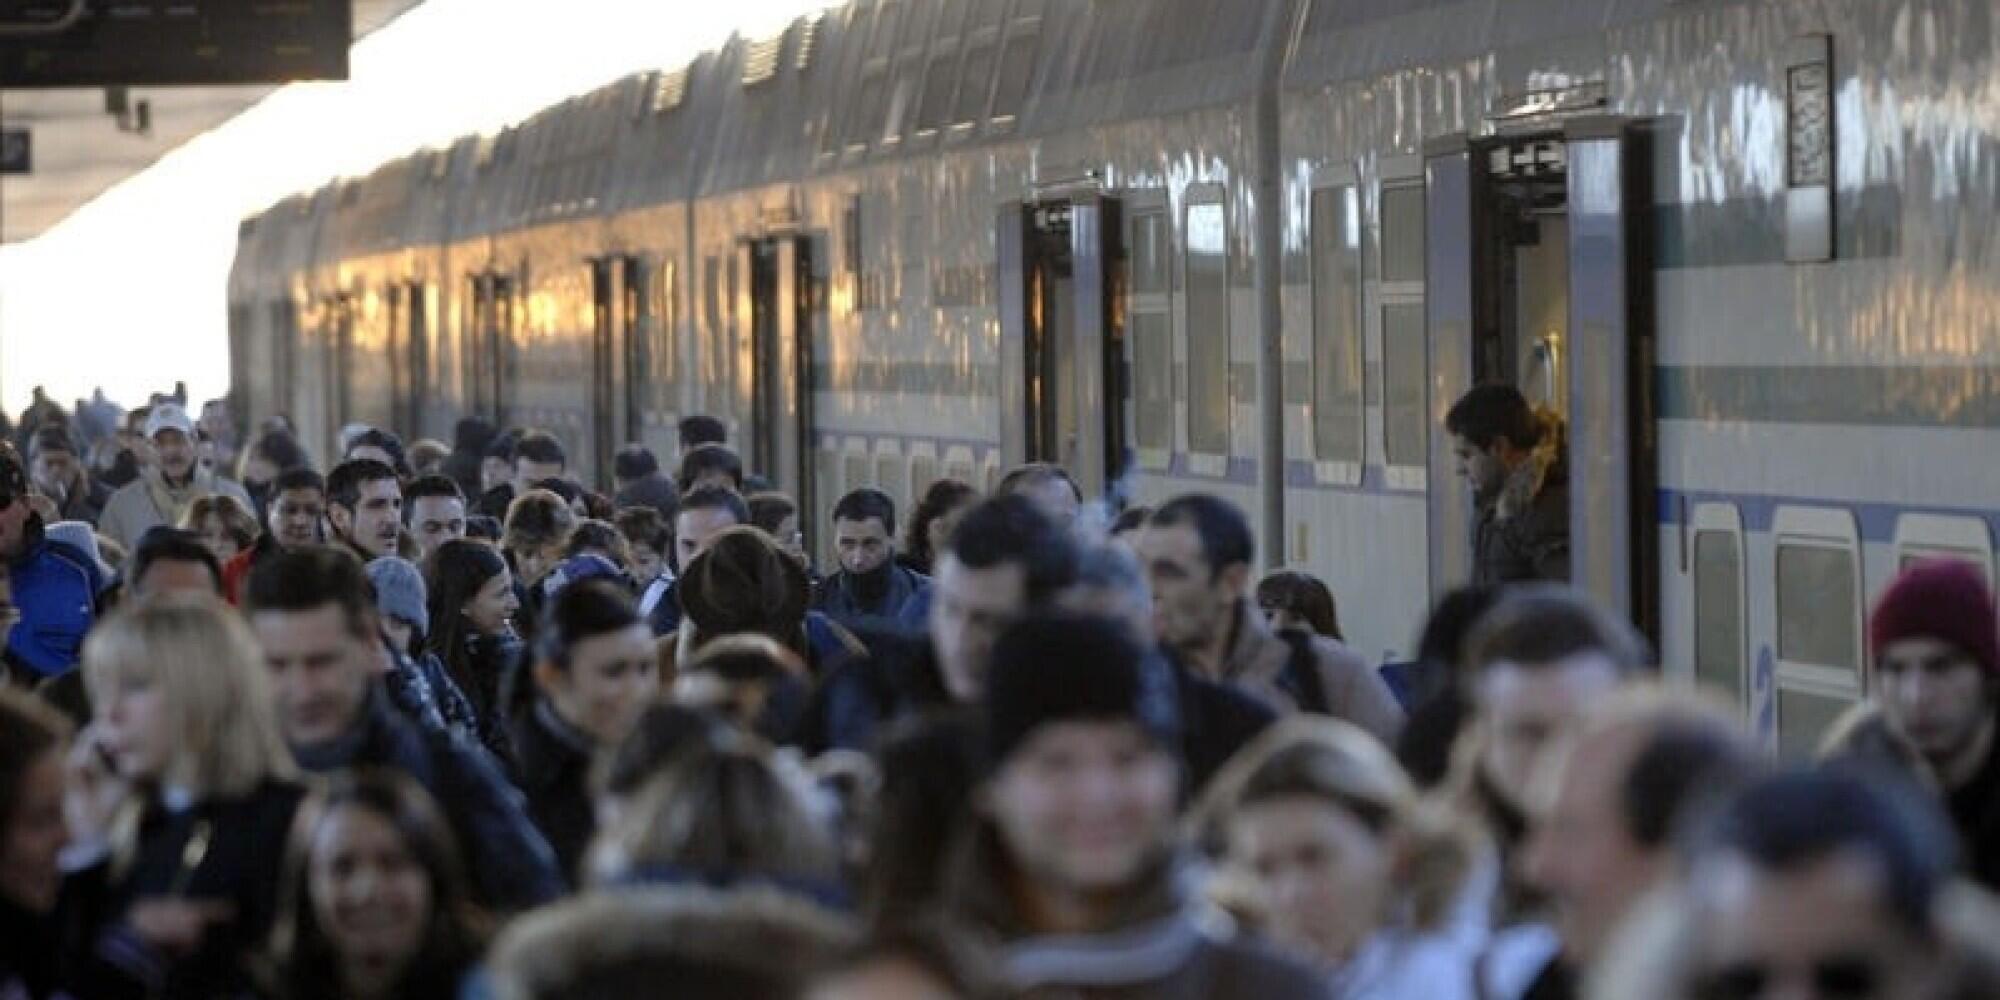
{"points": [[173, 502]]}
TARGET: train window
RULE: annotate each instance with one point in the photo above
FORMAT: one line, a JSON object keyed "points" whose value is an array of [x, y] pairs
{"points": [[1150, 326], [1718, 611], [1403, 232], [923, 472], [1803, 720], [1816, 586], [1921, 537], [667, 330], [1017, 70], [1336, 296], [934, 110], [854, 471], [975, 83], [889, 476], [1406, 429], [1207, 284]]}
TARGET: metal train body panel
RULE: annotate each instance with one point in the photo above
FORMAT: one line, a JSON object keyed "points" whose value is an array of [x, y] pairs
{"points": [[1801, 426]]}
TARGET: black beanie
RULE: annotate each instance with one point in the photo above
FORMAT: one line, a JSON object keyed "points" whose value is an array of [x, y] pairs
{"points": [[1073, 668]]}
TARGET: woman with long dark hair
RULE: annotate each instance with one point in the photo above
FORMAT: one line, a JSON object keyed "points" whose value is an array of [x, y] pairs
{"points": [[375, 904], [472, 603], [931, 522]]}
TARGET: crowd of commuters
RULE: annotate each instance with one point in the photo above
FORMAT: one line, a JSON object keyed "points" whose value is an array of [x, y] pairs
{"points": [[441, 720]]}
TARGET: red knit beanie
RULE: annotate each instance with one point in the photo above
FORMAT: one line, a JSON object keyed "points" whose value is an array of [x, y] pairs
{"points": [[1947, 600]]}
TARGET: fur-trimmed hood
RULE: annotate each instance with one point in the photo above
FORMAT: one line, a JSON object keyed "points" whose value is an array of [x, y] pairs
{"points": [[1545, 462]]}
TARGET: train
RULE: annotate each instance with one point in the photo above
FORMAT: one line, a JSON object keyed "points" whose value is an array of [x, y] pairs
{"points": [[1255, 248]]}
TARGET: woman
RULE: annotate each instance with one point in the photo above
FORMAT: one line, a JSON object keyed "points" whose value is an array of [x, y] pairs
{"points": [[1294, 600], [472, 603], [32, 837], [726, 818], [376, 904], [931, 523], [273, 452], [1327, 849], [226, 526], [594, 674], [186, 721]]}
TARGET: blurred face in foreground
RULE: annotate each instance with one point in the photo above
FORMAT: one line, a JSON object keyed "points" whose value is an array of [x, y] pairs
{"points": [[1084, 807]]}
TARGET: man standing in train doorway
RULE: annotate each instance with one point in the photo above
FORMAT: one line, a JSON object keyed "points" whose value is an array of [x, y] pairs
{"points": [[1514, 458]]}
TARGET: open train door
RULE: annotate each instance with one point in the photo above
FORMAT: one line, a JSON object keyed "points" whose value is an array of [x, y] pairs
{"points": [[1536, 276], [1062, 370], [781, 323], [607, 365]]}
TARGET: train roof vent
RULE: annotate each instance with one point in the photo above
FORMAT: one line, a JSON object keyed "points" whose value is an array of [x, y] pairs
{"points": [[808, 41], [483, 156], [760, 60], [670, 92]]}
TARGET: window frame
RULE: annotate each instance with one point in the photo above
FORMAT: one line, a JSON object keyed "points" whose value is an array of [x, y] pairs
{"points": [[1157, 206], [1923, 535], [1721, 519], [1383, 294], [1203, 460], [1826, 529], [1337, 471]]}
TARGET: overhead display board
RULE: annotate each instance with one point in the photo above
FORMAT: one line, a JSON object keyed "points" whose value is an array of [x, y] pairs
{"points": [[159, 43]]}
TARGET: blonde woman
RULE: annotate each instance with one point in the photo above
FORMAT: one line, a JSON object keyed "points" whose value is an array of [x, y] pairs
{"points": [[1326, 848], [191, 862]]}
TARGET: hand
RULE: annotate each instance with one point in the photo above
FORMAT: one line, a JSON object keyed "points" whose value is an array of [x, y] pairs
{"points": [[95, 790], [177, 926]]}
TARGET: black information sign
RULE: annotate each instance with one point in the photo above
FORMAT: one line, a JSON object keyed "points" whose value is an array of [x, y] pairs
{"points": [[17, 151], [158, 43]]}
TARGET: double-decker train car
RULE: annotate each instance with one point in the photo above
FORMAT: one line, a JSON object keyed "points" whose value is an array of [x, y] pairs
{"points": [[1255, 248]]}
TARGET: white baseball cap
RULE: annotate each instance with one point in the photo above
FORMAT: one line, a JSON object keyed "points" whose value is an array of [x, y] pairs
{"points": [[168, 417]]}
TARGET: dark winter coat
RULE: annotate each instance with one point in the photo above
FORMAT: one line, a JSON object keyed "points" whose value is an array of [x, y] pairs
{"points": [[1521, 531], [840, 598], [511, 864], [1975, 810], [555, 775], [237, 846]]}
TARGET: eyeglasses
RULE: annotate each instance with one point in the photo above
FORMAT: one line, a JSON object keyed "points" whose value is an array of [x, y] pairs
{"points": [[1833, 977]]}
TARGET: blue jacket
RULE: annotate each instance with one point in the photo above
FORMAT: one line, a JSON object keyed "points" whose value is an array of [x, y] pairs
{"points": [[56, 587]]}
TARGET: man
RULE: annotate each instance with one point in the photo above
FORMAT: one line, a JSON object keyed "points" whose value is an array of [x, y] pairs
{"points": [[1937, 672], [381, 446], [1197, 550], [60, 474], [291, 520], [1072, 867], [710, 465], [869, 583], [50, 599], [469, 440], [704, 514], [1824, 884], [364, 507], [173, 560], [1513, 459], [1622, 790], [638, 482], [1049, 486], [170, 483], [1004, 560], [700, 429], [316, 622], [435, 510], [496, 466], [1541, 660], [218, 431], [1217, 719], [537, 456]]}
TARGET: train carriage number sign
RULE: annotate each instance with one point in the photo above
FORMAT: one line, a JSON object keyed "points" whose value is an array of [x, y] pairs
{"points": [[161, 43]]}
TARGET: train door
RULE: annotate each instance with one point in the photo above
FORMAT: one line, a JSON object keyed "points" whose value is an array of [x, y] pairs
{"points": [[781, 283], [340, 368], [607, 358], [1537, 278], [636, 333], [1062, 342], [416, 358], [490, 347]]}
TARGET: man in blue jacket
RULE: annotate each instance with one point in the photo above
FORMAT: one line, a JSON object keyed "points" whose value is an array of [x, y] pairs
{"points": [[52, 588]]}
